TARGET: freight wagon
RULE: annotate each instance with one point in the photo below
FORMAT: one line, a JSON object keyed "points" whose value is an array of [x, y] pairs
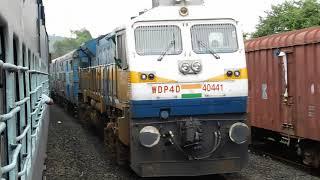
{"points": [[24, 88], [284, 90]]}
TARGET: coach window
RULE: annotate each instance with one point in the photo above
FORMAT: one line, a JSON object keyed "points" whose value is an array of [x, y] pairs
{"points": [[2, 74], [17, 84], [121, 50]]}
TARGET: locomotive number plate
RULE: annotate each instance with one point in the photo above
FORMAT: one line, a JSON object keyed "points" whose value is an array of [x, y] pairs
{"points": [[197, 90], [166, 89]]}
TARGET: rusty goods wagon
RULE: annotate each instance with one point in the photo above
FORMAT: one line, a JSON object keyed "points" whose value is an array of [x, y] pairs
{"points": [[284, 89]]}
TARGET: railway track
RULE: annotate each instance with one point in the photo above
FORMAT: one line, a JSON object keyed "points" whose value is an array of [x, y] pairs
{"points": [[282, 153]]}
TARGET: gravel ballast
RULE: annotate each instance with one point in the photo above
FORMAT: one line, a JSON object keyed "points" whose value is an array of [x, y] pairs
{"points": [[74, 152]]}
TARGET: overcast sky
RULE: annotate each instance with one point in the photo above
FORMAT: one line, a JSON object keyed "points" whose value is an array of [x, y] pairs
{"points": [[102, 16]]}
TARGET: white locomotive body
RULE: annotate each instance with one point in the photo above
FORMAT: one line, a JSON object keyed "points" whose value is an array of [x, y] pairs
{"points": [[171, 89]]}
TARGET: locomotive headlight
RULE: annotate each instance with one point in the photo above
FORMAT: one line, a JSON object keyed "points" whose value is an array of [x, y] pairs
{"points": [[184, 11], [185, 68], [239, 133], [196, 66], [149, 136]]}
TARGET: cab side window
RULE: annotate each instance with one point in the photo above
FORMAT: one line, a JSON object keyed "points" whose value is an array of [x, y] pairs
{"points": [[121, 50]]}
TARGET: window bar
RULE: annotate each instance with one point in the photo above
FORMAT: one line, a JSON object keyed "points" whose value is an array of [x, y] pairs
{"points": [[10, 115], [13, 164]]}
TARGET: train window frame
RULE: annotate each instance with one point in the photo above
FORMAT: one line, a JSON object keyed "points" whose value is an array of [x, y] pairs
{"points": [[3, 49], [168, 53], [121, 49], [208, 46]]}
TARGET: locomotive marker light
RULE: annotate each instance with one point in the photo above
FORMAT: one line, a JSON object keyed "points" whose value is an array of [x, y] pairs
{"points": [[149, 136], [237, 73], [239, 133], [144, 77], [151, 76], [196, 67], [229, 73]]}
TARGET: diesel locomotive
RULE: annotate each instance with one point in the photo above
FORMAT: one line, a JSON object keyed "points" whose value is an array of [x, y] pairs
{"points": [[169, 89]]}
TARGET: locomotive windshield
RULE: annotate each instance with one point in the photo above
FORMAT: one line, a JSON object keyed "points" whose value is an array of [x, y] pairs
{"points": [[222, 38], [157, 40]]}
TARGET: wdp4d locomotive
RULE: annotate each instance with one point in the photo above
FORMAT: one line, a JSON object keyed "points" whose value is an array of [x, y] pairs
{"points": [[170, 91]]}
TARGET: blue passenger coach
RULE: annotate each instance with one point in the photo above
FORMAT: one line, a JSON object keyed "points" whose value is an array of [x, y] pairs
{"points": [[65, 73]]}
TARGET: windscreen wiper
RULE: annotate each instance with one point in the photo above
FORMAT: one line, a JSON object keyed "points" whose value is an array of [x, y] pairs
{"points": [[216, 55], [171, 44]]}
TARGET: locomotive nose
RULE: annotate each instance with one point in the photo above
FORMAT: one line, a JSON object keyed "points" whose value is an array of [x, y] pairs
{"points": [[239, 133]]}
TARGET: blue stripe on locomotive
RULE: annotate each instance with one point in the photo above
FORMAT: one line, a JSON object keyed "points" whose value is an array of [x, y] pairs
{"points": [[189, 107]]}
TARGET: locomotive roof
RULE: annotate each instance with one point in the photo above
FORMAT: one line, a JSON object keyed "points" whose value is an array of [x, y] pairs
{"points": [[195, 12]]}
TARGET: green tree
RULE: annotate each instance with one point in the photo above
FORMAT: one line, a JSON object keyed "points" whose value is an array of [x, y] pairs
{"points": [[68, 44], [288, 16]]}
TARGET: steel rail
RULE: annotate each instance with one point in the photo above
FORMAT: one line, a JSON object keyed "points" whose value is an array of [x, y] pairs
{"points": [[23, 135], [13, 164], [24, 170], [9, 115]]}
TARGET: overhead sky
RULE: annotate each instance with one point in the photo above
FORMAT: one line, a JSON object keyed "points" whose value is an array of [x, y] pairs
{"points": [[102, 16]]}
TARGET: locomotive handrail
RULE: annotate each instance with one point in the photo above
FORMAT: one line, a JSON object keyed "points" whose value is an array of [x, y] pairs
{"points": [[2, 127], [9, 115], [24, 170], [37, 72], [23, 135], [21, 102], [13, 164]]}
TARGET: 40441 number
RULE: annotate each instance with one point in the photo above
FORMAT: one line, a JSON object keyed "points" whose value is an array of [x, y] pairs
{"points": [[212, 87]]}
